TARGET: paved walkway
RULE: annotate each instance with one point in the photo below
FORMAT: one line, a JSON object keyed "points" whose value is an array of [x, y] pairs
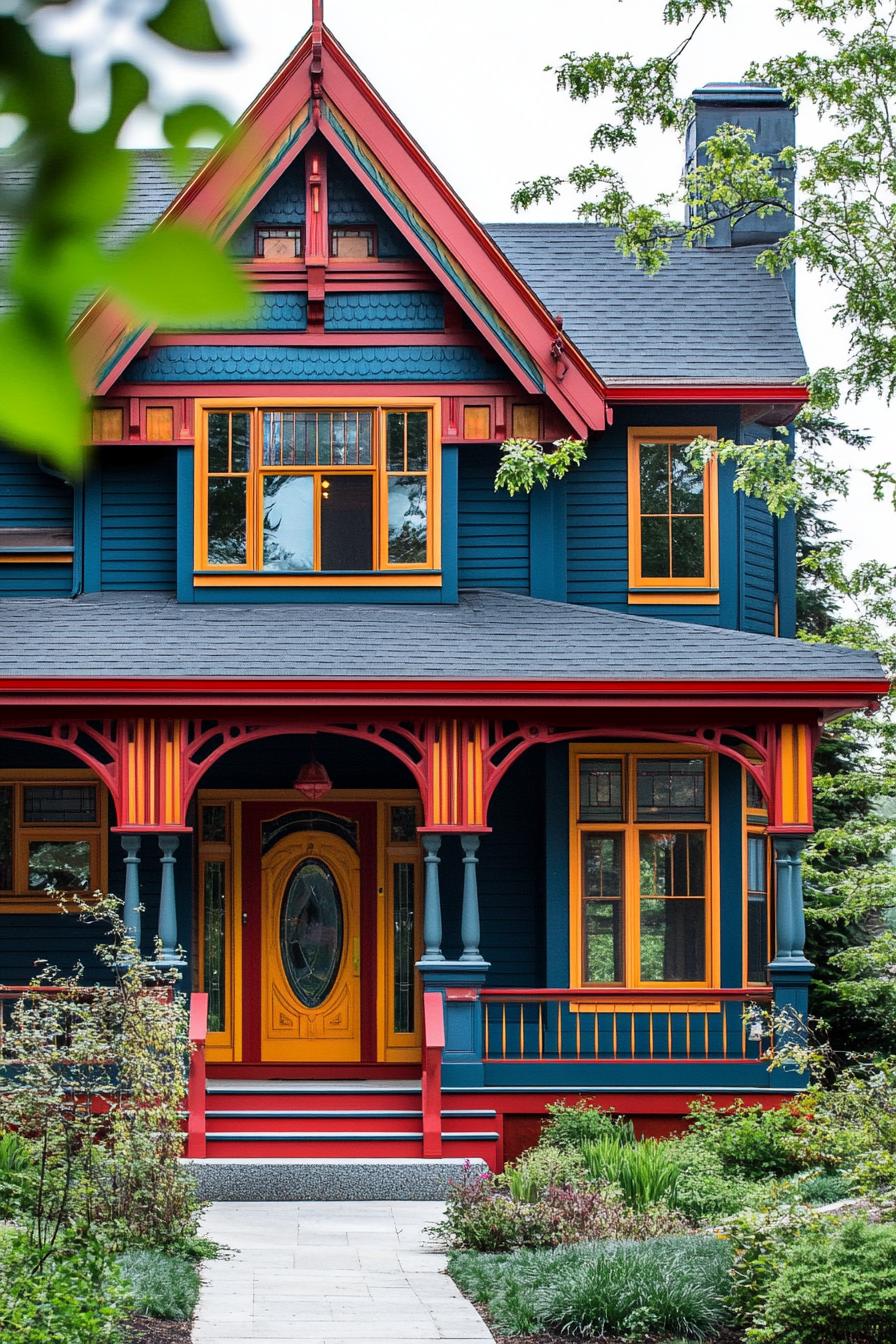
{"points": [[322, 1273]]}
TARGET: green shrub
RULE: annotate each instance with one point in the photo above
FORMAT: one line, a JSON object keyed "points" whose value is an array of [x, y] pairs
{"points": [[536, 1170], [599, 1215], [753, 1142], [645, 1171], [632, 1290], [69, 1295], [824, 1188], [706, 1193], [574, 1126], [18, 1175], [165, 1286], [836, 1285]]}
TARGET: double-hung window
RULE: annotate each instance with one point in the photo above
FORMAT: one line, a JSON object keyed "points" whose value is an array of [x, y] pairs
{"points": [[643, 868], [318, 493], [673, 536], [51, 838]]}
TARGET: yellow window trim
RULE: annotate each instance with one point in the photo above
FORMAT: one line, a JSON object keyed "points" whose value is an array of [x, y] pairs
{"points": [[630, 752], [700, 591], [21, 902], [251, 575]]}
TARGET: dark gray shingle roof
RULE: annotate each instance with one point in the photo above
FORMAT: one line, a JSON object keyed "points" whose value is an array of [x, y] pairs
{"points": [[488, 635], [709, 316]]}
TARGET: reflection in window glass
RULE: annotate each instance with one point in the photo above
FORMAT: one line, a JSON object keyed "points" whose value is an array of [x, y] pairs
{"points": [[288, 522], [403, 953], [218, 441], [61, 864], [227, 520], [672, 513], [403, 822], [59, 804], [673, 916], [603, 912], [757, 909], [214, 941], [214, 822], [671, 790], [600, 790], [407, 520]]}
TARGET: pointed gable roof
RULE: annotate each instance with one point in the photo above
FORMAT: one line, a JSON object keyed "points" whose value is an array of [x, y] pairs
{"points": [[319, 89]]}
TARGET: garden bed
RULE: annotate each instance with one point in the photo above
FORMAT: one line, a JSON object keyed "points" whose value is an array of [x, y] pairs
{"points": [[148, 1330]]}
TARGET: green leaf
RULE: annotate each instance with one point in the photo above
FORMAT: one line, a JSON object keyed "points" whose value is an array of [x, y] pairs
{"points": [[129, 88], [183, 126], [188, 24], [41, 407], [177, 273]]}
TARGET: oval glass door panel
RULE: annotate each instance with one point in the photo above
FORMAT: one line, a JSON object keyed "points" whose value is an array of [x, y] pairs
{"points": [[311, 932]]}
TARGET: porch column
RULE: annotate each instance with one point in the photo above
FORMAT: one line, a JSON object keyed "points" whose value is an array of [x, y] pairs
{"points": [[469, 923], [432, 900], [168, 954], [131, 912], [790, 972]]}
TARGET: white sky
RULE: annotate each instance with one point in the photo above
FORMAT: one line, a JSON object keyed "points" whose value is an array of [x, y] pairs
{"points": [[467, 78]]}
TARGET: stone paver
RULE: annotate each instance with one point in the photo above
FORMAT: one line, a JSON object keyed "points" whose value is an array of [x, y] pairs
{"points": [[329, 1273]]}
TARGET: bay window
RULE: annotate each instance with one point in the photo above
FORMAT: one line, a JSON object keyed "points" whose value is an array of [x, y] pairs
{"points": [[303, 492], [642, 866]]}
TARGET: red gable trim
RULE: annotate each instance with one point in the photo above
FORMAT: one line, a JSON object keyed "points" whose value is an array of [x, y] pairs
{"points": [[272, 132], [785, 393]]}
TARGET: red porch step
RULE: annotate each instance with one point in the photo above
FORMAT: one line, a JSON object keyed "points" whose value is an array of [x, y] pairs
{"points": [[314, 1120]]}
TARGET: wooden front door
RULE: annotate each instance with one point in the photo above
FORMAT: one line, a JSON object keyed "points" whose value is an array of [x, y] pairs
{"points": [[311, 950]]}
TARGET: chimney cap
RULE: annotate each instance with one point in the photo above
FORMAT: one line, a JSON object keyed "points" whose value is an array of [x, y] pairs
{"points": [[746, 93]]}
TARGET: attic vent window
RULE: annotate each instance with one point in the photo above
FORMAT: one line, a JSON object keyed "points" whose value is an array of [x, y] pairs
{"points": [[353, 243], [278, 244]]}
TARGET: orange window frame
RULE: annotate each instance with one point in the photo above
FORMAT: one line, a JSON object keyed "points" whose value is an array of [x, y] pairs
{"points": [[252, 574], [703, 589], [20, 898], [630, 828]]}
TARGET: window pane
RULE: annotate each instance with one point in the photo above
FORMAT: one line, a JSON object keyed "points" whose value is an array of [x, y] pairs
{"points": [[603, 942], [418, 440], [395, 441], [239, 441], [600, 790], [673, 790], [288, 522], [654, 548], [218, 445], [227, 520], [673, 863], [214, 944], [687, 484], [403, 822], [755, 800], [602, 865], [654, 478], [687, 548], [6, 797], [214, 822], [346, 523], [407, 520], [64, 864], [673, 940], [403, 954], [757, 909], [66, 804]]}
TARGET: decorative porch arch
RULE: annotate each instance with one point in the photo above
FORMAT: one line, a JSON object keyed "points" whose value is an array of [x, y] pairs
{"points": [[153, 766]]}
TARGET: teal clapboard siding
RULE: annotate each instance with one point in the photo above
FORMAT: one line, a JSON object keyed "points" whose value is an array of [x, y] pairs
{"points": [[311, 364], [138, 527], [492, 527], [30, 497], [758, 542], [375, 311], [597, 521]]}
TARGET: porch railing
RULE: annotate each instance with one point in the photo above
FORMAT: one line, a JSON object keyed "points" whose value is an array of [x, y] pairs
{"points": [[196, 1098], [612, 1026], [431, 1081]]}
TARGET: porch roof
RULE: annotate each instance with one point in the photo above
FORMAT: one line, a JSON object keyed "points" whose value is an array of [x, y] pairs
{"points": [[488, 636]]}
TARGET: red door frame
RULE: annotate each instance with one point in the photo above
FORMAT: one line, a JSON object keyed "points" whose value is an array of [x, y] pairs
{"points": [[253, 815]]}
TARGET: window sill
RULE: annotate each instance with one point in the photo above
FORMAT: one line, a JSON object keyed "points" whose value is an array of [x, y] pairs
{"points": [[426, 578], [24, 556], [681, 597]]}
